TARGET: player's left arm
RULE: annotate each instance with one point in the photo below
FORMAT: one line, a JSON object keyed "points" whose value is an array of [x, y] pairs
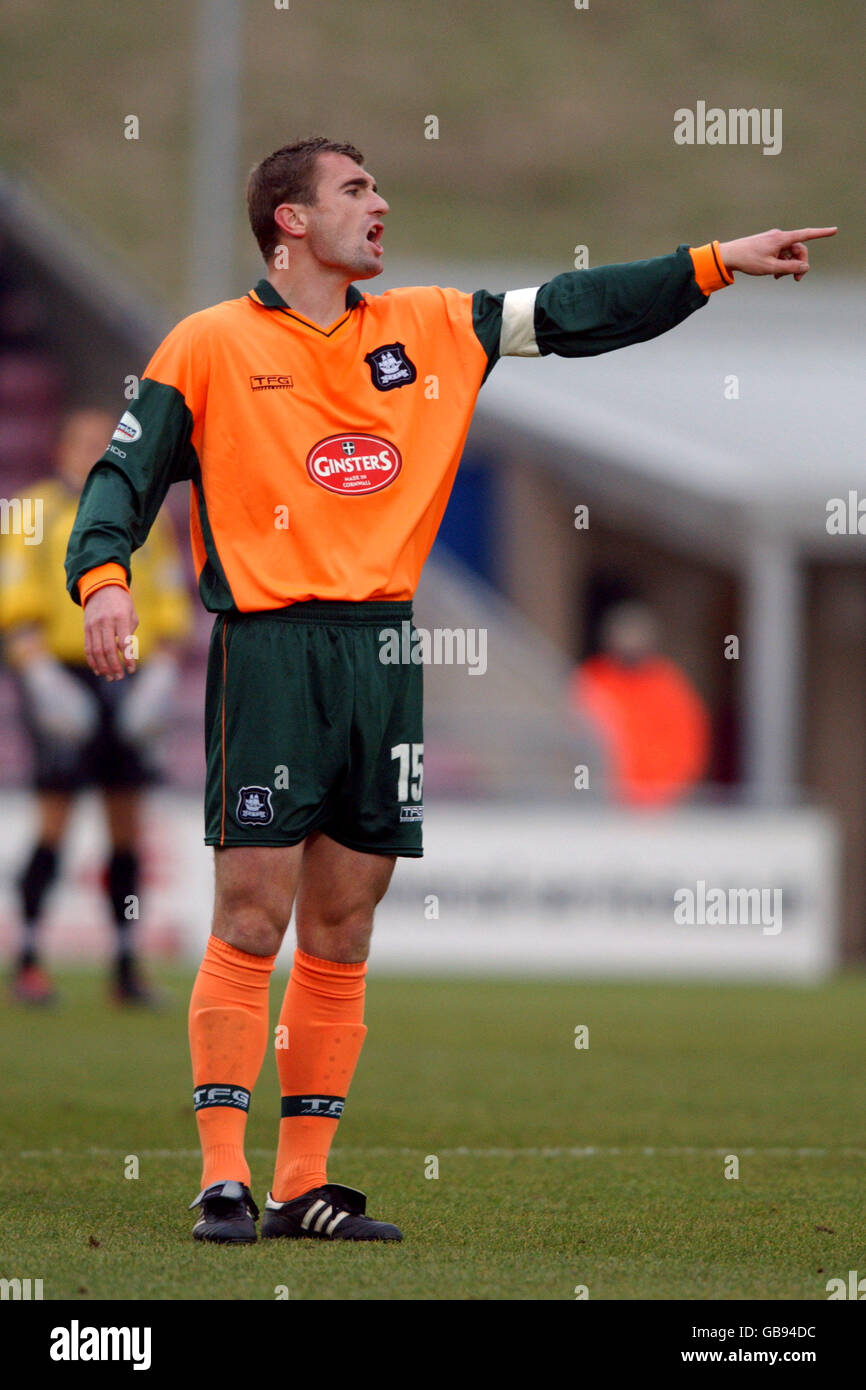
{"points": [[582, 313]]}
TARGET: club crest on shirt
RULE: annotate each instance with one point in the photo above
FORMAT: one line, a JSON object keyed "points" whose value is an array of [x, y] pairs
{"points": [[254, 806], [390, 367]]}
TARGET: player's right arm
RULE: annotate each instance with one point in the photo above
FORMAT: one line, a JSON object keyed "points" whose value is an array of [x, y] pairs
{"points": [[110, 620], [151, 448]]}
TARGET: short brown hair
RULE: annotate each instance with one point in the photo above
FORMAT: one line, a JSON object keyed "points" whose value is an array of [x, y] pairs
{"points": [[288, 175]]}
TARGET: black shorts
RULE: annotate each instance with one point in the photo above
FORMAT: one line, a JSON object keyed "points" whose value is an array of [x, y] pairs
{"points": [[310, 726], [106, 760]]}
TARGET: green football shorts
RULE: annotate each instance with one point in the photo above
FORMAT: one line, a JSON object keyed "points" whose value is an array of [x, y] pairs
{"points": [[308, 728]]}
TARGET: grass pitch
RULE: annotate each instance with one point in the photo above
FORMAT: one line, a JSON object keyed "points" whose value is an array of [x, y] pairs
{"points": [[558, 1167]]}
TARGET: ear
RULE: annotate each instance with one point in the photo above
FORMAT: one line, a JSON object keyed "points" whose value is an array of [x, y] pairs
{"points": [[291, 218]]}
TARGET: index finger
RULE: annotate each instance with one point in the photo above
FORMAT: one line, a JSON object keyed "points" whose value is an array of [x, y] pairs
{"points": [[812, 233]]}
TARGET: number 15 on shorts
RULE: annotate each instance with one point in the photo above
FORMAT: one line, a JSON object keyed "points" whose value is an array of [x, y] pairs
{"points": [[410, 772]]}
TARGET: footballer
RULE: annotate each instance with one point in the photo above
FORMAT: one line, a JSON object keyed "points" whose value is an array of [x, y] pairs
{"points": [[320, 465]]}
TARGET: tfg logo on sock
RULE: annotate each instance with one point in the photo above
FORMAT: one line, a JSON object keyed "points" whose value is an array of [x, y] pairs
{"points": [[329, 1107], [236, 1097]]}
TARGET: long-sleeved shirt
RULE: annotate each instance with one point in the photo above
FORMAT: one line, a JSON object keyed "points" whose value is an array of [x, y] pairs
{"points": [[321, 459]]}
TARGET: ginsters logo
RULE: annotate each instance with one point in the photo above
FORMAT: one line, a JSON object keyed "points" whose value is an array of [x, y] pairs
{"points": [[354, 464]]}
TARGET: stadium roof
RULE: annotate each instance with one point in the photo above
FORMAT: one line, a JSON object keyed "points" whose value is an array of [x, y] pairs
{"points": [[650, 431], [56, 245]]}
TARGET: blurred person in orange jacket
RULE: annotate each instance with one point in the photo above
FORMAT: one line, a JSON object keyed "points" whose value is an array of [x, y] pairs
{"points": [[652, 722], [83, 731]]}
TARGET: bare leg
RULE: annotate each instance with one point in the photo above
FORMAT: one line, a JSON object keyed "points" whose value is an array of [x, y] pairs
{"points": [[336, 897], [255, 889], [123, 816], [53, 810]]}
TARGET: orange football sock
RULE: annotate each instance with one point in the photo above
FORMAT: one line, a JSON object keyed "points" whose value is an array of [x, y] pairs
{"points": [[228, 1034], [318, 1044]]}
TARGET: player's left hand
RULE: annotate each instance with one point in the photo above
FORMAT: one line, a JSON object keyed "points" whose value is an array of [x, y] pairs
{"points": [[773, 253]]}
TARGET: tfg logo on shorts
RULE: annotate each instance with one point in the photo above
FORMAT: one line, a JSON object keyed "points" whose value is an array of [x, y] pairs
{"points": [[235, 1097], [354, 464], [254, 806]]}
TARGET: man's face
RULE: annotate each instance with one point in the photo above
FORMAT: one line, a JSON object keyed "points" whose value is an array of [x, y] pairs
{"points": [[630, 633], [344, 225]]}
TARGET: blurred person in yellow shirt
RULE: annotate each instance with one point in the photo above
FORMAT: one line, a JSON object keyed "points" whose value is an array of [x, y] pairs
{"points": [[85, 732]]}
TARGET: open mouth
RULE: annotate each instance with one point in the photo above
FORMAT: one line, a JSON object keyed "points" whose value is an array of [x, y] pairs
{"points": [[374, 236]]}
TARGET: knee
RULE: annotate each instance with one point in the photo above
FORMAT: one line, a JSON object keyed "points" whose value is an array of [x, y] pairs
{"points": [[336, 902], [247, 919], [346, 907], [338, 931]]}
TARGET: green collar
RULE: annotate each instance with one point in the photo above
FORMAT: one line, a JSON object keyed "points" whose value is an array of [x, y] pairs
{"points": [[272, 300]]}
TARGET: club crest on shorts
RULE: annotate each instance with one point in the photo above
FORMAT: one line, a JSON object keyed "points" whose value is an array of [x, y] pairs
{"points": [[254, 806], [390, 367]]}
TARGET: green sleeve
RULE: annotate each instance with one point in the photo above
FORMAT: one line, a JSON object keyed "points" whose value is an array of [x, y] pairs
{"points": [[582, 313], [150, 450], [586, 312]]}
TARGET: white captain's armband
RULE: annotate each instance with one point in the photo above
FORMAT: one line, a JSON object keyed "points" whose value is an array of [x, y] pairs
{"points": [[517, 335]]}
